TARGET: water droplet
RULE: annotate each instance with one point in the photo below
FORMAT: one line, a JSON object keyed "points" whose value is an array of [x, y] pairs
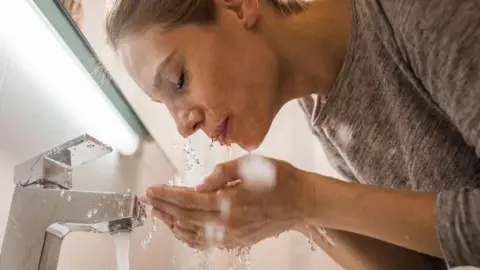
{"points": [[62, 193], [257, 172], [210, 147], [313, 247], [69, 198]]}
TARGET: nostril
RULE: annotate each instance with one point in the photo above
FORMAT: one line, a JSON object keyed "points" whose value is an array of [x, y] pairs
{"points": [[196, 126]]}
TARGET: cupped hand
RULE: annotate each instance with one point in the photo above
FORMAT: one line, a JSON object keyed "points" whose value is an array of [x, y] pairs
{"points": [[240, 203]]}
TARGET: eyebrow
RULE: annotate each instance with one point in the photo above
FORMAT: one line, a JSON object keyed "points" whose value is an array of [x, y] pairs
{"points": [[160, 70]]}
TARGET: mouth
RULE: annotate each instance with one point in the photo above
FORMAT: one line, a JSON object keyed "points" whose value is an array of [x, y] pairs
{"points": [[221, 133]]}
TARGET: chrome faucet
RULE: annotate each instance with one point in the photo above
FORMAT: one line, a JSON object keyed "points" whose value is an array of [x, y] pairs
{"points": [[45, 209]]}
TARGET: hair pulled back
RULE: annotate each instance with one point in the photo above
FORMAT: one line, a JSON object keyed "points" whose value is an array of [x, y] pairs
{"points": [[126, 17]]}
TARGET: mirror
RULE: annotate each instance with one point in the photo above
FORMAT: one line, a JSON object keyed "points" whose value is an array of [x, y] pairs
{"points": [[75, 9]]}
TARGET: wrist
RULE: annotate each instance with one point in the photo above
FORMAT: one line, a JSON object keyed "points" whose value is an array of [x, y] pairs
{"points": [[324, 200], [310, 196]]}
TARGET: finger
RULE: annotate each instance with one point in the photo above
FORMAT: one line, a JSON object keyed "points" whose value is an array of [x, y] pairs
{"points": [[202, 239], [183, 197], [196, 217], [171, 221], [194, 240], [223, 174]]}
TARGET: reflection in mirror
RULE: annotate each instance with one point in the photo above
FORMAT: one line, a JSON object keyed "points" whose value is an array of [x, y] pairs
{"points": [[75, 9]]}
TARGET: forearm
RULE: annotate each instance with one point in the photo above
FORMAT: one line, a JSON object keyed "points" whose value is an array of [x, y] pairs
{"points": [[403, 218], [353, 251]]}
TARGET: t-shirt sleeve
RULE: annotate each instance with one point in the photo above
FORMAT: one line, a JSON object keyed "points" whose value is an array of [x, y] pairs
{"points": [[440, 42]]}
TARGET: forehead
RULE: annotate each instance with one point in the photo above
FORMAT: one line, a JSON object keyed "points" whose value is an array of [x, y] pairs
{"points": [[143, 52]]}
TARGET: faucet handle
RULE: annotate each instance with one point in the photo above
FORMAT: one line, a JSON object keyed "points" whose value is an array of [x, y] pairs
{"points": [[55, 165]]}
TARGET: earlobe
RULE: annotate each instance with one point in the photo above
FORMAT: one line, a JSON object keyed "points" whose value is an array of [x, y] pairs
{"points": [[246, 11], [251, 12]]}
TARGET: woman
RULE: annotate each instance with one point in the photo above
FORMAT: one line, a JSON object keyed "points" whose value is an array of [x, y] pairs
{"points": [[397, 111]]}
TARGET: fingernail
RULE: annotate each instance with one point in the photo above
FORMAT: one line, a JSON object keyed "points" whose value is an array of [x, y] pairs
{"points": [[149, 192]]}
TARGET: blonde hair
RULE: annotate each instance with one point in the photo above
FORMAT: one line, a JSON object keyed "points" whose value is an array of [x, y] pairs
{"points": [[127, 17]]}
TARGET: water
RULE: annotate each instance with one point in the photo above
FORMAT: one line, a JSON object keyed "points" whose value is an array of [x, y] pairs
{"points": [[313, 247], [231, 259], [191, 158], [203, 259], [238, 258], [243, 255], [122, 245], [211, 145], [322, 232], [148, 237], [257, 172]]}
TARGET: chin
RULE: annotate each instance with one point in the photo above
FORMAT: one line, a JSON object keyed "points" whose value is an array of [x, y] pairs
{"points": [[251, 143]]}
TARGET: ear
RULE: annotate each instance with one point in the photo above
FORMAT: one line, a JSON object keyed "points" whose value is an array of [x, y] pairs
{"points": [[246, 11]]}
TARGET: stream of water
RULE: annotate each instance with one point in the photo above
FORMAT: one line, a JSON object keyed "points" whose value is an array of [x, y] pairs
{"points": [[122, 246]]}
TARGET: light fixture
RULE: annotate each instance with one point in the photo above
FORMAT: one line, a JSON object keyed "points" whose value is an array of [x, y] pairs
{"points": [[59, 71]]}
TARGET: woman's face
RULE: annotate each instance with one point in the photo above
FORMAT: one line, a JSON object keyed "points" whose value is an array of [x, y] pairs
{"points": [[222, 78]]}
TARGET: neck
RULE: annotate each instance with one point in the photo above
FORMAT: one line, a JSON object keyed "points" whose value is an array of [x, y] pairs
{"points": [[312, 46]]}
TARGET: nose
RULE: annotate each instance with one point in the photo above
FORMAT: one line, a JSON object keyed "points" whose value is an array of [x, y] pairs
{"points": [[189, 122]]}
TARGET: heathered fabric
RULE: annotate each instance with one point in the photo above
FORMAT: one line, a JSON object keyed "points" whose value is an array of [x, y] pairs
{"points": [[405, 110]]}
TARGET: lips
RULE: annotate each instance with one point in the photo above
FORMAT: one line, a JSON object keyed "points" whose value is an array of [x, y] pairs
{"points": [[221, 133]]}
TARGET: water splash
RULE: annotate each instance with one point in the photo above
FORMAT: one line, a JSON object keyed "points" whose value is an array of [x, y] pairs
{"points": [[322, 232], [257, 172], [91, 213], [203, 259], [191, 158], [243, 255], [313, 247], [231, 259], [149, 236]]}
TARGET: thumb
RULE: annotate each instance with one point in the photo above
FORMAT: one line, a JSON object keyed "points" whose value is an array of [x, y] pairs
{"points": [[221, 175]]}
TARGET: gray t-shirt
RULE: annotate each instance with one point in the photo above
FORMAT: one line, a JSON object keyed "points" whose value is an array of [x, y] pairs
{"points": [[405, 110]]}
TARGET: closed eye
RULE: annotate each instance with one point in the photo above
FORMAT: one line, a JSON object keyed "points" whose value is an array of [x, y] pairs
{"points": [[181, 81]]}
